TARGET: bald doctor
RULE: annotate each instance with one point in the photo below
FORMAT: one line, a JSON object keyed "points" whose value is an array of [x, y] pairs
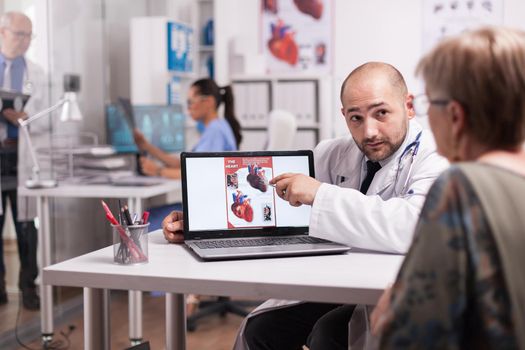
{"points": [[368, 192]]}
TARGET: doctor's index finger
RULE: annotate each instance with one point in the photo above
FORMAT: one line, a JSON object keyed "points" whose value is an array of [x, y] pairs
{"points": [[282, 184], [280, 178]]}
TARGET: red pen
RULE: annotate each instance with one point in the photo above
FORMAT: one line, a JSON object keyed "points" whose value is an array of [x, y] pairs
{"points": [[145, 217], [109, 214]]}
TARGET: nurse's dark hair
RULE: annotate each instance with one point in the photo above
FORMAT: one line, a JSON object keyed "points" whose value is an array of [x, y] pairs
{"points": [[395, 77], [208, 87]]}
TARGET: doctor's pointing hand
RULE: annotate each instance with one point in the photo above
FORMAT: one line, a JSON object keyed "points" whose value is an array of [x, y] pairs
{"points": [[297, 189]]}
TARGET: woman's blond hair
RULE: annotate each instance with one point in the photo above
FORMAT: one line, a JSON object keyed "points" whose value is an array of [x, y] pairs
{"points": [[483, 70]]}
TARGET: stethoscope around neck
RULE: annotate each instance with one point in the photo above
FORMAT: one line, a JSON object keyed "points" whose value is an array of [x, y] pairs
{"points": [[411, 149]]}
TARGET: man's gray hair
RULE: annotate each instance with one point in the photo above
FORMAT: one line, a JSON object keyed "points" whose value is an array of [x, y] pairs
{"points": [[5, 19]]}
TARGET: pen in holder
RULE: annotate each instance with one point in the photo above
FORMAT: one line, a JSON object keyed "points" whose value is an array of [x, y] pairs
{"points": [[130, 244]]}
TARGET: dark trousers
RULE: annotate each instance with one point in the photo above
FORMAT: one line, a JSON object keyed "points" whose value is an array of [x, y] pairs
{"points": [[26, 236], [317, 325]]}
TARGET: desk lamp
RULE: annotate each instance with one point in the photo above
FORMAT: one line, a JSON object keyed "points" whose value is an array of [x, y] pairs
{"points": [[70, 112]]}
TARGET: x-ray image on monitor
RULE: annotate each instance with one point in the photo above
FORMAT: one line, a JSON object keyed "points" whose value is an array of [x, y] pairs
{"points": [[120, 135], [163, 126]]}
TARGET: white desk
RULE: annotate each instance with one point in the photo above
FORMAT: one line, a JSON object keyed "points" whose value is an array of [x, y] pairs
{"points": [[357, 278], [134, 194]]}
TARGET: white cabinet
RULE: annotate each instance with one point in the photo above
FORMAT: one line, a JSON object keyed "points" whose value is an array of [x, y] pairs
{"points": [[255, 98], [162, 52]]}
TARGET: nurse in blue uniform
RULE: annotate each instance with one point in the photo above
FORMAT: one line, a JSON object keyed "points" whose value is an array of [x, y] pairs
{"points": [[218, 134]]}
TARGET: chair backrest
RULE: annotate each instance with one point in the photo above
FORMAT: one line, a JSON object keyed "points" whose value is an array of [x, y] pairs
{"points": [[282, 128]]}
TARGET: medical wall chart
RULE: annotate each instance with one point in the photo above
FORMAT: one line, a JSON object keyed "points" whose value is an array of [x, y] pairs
{"points": [[442, 18], [296, 35], [250, 200]]}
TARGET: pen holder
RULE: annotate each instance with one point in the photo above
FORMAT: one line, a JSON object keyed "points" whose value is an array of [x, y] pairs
{"points": [[130, 244]]}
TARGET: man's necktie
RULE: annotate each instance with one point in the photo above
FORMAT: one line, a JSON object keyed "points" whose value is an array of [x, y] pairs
{"points": [[12, 130], [371, 169], [7, 75]]}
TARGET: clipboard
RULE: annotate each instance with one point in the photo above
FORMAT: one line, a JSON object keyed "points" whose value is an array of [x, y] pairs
{"points": [[13, 99]]}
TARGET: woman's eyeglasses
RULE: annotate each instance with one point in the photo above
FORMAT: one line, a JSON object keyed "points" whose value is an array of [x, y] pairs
{"points": [[422, 104], [192, 101]]}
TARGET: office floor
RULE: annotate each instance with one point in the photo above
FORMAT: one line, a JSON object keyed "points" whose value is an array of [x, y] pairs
{"points": [[8, 312], [212, 332]]}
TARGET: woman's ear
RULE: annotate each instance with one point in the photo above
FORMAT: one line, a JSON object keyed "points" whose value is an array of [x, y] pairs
{"points": [[457, 118], [210, 102]]}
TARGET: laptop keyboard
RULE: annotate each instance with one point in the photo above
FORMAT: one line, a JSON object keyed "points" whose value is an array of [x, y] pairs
{"points": [[258, 242]]}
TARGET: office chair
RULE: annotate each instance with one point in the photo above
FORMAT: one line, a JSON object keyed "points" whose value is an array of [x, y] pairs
{"points": [[282, 127], [221, 306]]}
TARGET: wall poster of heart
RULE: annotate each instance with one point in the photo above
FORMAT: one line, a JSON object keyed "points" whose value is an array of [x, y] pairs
{"points": [[297, 35]]}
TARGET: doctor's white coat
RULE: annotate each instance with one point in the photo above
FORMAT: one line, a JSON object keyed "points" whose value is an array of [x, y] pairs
{"points": [[385, 218]]}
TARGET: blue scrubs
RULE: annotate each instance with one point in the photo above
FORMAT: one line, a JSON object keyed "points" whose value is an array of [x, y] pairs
{"points": [[217, 136]]}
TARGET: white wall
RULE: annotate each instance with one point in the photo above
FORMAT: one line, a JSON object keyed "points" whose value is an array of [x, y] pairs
{"points": [[372, 30], [393, 35], [364, 33], [117, 16], [233, 18]]}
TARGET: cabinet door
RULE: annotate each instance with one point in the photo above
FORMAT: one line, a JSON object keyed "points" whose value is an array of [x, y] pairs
{"points": [[306, 139], [252, 103], [299, 97], [254, 140]]}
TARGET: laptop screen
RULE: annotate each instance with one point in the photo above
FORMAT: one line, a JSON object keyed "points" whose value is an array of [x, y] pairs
{"points": [[228, 194]]}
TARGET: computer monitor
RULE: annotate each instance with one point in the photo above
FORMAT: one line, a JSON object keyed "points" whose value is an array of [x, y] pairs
{"points": [[163, 126]]}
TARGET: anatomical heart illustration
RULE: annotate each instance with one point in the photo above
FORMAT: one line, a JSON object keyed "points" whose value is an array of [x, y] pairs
{"points": [[241, 206], [313, 8], [282, 43], [256, 178], [297, 35], [250, 200], [271, 6]]}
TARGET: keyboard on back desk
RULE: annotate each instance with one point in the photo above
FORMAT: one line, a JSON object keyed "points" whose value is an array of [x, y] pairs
{"points": [[258, 242]]}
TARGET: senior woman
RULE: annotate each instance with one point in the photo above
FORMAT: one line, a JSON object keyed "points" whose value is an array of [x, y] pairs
{"points": [[462, 284]]}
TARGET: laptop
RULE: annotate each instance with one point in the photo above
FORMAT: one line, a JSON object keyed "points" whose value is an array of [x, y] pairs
{"points": [[231, 211]]}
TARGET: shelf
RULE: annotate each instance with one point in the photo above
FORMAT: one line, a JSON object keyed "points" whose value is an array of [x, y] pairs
{"points": [[183, 75], [206, 48], [276, 77], [299, 128]]}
